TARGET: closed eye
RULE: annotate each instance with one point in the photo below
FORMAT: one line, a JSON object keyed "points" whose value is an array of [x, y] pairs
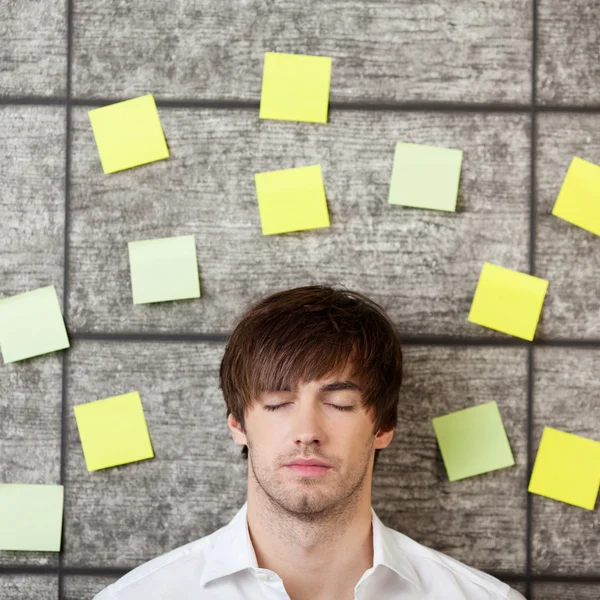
{"points": [[273, 407]]}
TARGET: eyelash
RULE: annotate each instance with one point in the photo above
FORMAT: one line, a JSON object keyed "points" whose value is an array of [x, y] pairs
{"points": [[276, 406]]}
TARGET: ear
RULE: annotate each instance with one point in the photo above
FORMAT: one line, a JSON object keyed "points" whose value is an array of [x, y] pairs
{"points": [[239, 437], [383, 439]]}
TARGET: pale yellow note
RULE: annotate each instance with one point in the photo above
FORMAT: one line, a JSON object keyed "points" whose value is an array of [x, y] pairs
{"points": [[128, 134], [113, 431], [292, 200], [508, 301], [578, 201], [295, 87], [567, 468]]}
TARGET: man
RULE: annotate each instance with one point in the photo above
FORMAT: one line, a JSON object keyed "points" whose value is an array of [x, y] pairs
{"points": [[311, 378]]}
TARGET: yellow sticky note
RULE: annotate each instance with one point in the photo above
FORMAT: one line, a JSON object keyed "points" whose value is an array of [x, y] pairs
{"points": [[295, 87], [128, 134], [292, 200], [508, 301], [578, 201], [567, 468], [113, 431]]}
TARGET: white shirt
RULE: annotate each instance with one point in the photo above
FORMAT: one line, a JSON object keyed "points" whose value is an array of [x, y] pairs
{"points": [[223, 566]]}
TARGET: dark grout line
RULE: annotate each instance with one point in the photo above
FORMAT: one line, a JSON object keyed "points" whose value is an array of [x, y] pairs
{"points": [[150, 337], [409, 340], [175, 103], [66, 258], [532, 257], [32, 101], [366, 106], [529, 496]]}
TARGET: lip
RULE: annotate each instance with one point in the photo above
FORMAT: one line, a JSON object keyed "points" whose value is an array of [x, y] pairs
{"points": [[309, 470], [307, 462]]}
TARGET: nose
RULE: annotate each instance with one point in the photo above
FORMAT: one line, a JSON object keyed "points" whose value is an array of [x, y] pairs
{"points": [[307, 426]]}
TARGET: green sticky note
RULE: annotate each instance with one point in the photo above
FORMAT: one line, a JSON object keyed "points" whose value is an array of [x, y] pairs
{"points": [[128, 134], [31, 517], [291, 200], [295, 87], [473, 441], [113, 431], [164, 269], [31, 324], [425, 176]]}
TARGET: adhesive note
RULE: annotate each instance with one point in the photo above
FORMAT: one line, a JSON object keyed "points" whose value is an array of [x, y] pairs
{"points": [[295, 87], [425, 176], [31, 517], [473, 441], [31, 324], [578, 201], [113, 431], [292, 200], [567, 468], [128, 134], [164, 269], [508, 301]]}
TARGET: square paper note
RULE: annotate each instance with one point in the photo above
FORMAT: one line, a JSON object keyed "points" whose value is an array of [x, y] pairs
{"points": [[473, 441], [31, 517], [578, 201], [113, 431], [164, 269], [295, 87], [508, 301], [291, 200], [567, 468], [31, 324], [128, 134], [425, 176]]}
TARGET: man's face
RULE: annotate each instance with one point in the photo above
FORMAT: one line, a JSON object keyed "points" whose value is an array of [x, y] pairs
{"points": [[310, 423]]}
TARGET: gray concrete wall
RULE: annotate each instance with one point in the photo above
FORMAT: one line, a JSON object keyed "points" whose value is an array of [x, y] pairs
{"points": [[515, 84]]}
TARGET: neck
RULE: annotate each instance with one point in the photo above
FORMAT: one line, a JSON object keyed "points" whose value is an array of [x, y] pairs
{"points": [[319, 555]]}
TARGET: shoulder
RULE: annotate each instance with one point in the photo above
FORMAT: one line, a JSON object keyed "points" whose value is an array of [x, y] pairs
{"points": [[178, 568], [448, 573]]}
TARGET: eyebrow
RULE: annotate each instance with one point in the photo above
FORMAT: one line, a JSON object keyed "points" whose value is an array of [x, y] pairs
{"points": [[340, 385]]}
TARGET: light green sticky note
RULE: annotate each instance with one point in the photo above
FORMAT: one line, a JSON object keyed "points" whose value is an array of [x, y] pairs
{"points": [[31, 517], [425, 176], [473, 441], [164, 269], [31, 324]]}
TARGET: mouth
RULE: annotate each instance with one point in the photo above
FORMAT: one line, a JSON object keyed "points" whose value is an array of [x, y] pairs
{"points": [[309, 470]]}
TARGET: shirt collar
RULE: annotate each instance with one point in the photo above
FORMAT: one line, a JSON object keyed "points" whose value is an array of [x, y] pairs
{"points": [[232, 551]]}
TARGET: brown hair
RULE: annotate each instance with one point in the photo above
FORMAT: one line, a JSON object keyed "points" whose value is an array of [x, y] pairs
{"points": [[306, 333]]}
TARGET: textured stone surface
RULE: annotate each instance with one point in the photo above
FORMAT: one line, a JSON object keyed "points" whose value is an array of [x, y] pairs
{"points": [[27, 587], [33, 51], [31, 256], [566, 539], [568, 52], [565, 591], [411, 491], [393, 51], [122, 516], [32, 198], [421, 265], [82, 587], [567, 255]]}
